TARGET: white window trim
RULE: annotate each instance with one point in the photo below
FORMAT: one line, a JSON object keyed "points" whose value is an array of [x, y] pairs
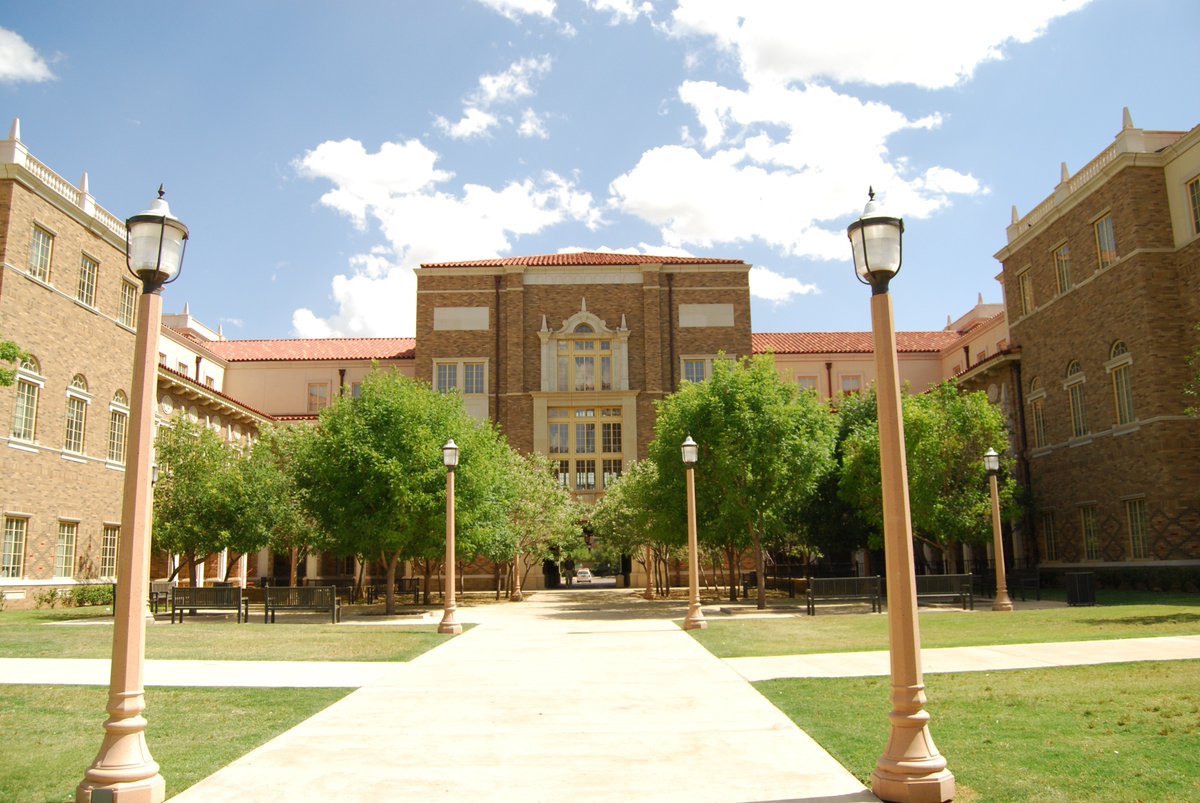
{"points": [[1118, 362], [460, 374]]}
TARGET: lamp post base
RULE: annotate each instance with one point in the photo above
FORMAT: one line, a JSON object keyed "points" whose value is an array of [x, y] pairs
{"points": [[1002, 601], [148, 790], [936, 787], [695, 618], [449, 625]]}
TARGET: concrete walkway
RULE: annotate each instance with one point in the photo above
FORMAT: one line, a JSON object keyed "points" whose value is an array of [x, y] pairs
{"points": [[564, 697]]}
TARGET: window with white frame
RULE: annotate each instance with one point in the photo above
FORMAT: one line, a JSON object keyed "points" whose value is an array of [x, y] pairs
{"points": [[1193, 194], [40, 247], [1074, 388], [582, 439], [1139, 542], [1062, 268], [446, 377], [1091, 534], [127, 311], [64, 550], [12, 560], [808, 383], [468, 377], [695, 370], [851, 384], [77, 404], [118, 425], [29, 384], [1106, 241], [1037, 399], [108, 550], [318, 396], [1049, 537], [474, 378], [85, 290], [1120, 366], [1025, 288], [584, 363]]}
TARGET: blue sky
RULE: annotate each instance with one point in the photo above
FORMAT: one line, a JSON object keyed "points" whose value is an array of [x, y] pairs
{"points": [[320, 151]]}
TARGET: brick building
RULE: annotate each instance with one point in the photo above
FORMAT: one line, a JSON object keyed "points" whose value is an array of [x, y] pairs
{"points": [[1102, 281]]}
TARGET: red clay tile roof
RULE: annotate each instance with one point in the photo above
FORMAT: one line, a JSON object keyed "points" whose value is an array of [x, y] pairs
{"points": [[845, 342], [582, 258], [349, 348], [184, 379]]}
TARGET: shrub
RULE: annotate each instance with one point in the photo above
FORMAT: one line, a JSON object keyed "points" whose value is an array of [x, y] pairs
{"points": [[46, 598], [92, 595]]}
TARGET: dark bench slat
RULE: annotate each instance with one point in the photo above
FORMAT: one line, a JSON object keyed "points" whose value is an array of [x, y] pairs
{"points": [[301, 598], [844, 589], [210, 599], [946, 586]]}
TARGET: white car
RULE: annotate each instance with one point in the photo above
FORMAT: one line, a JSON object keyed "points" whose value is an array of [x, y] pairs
{"points": [[583, 576]]}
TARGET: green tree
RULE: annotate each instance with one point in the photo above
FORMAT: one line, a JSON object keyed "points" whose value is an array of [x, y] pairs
{"points": [[764, 447], [195, 504], [631, 519], [545, 520], [10, 354], [946, 433], [372, 475], [1192, 388]]}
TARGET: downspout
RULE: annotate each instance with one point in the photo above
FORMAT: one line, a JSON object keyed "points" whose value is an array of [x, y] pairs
{"points": [[1023, 461], [341, 382], [966, 357], [496, 378], [198, 359], [671, 328], [829, 379]]}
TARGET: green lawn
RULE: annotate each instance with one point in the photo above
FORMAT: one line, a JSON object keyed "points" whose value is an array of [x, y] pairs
{"points": [[1173, 615], [1118, 732], [191, 733], [30, 634]]}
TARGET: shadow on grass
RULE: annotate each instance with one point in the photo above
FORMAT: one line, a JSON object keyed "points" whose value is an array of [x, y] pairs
{"points": [[1165, 619]]}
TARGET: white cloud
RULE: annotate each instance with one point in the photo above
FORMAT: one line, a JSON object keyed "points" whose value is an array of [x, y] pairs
{"points": [[621, 10], [932, 44], [19, 61], [514, 9], [398, 190], [474, 123], [771, 286], [532, 125]]}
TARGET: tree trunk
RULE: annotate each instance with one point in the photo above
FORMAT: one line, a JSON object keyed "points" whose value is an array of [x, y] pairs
{"points": [[732, 574], [516, 595], [294, 569], [759, 569], [428, 570], [389, 605], [649, 578]]}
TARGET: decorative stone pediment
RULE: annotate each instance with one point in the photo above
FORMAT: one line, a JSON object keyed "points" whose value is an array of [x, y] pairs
{"points": [[584, 325]]}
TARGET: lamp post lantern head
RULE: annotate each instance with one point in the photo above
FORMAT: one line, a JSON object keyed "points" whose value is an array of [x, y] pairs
{"points": [[991, 461], [154, 244], [876, 239], [450, 454], [691, 451]]}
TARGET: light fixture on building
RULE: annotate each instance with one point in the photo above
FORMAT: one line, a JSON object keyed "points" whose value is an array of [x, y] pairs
{"points": [[155, 241], [910, 769], [695, 617]]}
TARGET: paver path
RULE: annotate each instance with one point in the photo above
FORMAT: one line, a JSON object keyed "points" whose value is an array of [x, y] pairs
{"points": [[564, 697]]}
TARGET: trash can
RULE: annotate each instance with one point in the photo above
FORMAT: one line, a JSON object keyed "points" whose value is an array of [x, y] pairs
{"points": [[1081, 588]]}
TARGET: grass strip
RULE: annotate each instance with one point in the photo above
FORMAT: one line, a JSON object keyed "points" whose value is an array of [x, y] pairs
{"points": [[191, 732], [737, 638], [1128, 732]]}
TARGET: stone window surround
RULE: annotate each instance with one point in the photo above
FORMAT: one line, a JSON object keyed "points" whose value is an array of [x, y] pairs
{"points": [[27, 372], [72, 527], [1062, 268], [75, 391], [1122, 360], [1125, 501], [19, 555], [1025, 290], [53, 236], [600, 331], [1099, 219], [89, 269], [460, 364]]}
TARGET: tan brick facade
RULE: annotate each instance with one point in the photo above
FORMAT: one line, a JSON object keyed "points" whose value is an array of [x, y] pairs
{"points": [[1121, 480]]}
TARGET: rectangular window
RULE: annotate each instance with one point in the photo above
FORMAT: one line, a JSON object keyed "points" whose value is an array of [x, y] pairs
{"points": [[1062, 268], [117, 424], [127, 312], [1123, 391], [606, 373], [25, 411], [1091, 536], [585, 475], [694, 370], [318, 396], [560, 435], [610, 437], [1025, 285], [1049, 536], [585, 438], [12, 562], [447, 377], [108, 551], [356, 390], [209, 381], [564, 473], [76, 415], [851, 384], [1039, 424], [1079, 426], [1106, 241], [1193, 192], [473, 378], [181, 367], [807, 383], [612, 472], [86, 290], [1135, 511], [563, 371], [64, 551], [39, 253], [585, 372]]}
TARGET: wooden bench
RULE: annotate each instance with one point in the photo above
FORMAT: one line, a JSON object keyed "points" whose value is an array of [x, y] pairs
{"points": [[230, 598], [404, 585], [301, 598], [946, 586], [844, 589], [160, 594]]}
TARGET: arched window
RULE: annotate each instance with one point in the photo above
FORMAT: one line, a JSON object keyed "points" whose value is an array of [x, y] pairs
{"points": [[584, 329], [77, 404], [1037, 400], [118, 426], [1120, 366], [29, 385], [1074, 387]]}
